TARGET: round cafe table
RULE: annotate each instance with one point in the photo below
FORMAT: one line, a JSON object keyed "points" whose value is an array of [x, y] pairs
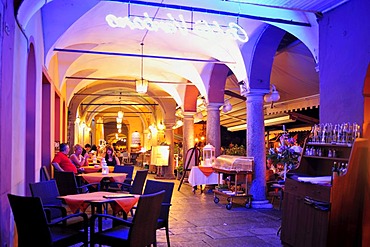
{"points": [[96, 177]]}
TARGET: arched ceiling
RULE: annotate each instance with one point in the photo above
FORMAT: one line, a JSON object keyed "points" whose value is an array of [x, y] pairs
{"points": [[97, 64]]}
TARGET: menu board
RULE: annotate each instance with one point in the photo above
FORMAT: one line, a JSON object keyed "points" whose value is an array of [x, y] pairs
{"points": [[160, 155]]}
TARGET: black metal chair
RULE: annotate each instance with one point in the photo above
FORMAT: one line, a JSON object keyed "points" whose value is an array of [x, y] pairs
{"points": [[153, 186], [48, 193], [33, 227], [67, 184], [138, 183], [113, 186], [135, 188], [141, 231]]}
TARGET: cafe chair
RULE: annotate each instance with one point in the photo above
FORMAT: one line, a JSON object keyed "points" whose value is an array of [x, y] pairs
{"points": [[113, 186], [67, 184], [140, 232], [48, 193], [34, 229], [138, 183], [45, 175], [153, 186], [125, 157]]}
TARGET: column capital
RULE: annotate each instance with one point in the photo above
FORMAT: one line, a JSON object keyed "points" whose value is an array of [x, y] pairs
{"points": [[256, 92], [214, 106], [189, 114]]}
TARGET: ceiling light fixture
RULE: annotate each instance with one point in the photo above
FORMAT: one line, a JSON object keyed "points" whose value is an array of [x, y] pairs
{"points": [[120, 112], [142, 84]]}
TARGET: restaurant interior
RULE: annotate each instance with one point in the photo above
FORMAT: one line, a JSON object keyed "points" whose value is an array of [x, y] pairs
{"points": [[157, 79]]}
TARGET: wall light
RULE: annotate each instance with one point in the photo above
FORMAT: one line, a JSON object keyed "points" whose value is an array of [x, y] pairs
{"points": [[273, 96], [227, 106]]}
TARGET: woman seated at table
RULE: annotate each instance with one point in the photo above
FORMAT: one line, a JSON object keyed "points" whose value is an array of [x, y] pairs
{"points": [[77, 159], [110, 157]]}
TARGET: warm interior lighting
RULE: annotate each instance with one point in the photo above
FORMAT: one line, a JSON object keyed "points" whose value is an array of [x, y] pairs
{"points": [[141, 86], [268, 122], [119, 126], [119, 120], [161, 126], [120, 115]]}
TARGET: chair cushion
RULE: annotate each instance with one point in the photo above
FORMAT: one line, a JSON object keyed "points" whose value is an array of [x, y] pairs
{"points": [[118, 234]]}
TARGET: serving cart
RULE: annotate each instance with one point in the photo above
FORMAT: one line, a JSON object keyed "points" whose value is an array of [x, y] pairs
{"points": [[236, 167]]}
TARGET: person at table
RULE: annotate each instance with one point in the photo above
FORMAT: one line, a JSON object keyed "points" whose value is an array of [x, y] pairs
{"points": [[86, 150], [61, 162], [110, 157], [77, 159]]}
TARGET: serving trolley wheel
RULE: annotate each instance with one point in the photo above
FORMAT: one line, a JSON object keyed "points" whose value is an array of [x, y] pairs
{"points": [[216, 199], [229, 206]]}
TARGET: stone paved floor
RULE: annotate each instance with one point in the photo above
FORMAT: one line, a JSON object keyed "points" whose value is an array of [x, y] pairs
{"points": [[196, 221]]}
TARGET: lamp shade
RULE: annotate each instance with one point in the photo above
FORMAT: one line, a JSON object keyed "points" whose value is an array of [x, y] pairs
{"points": [[120, 114], [141, 86]]}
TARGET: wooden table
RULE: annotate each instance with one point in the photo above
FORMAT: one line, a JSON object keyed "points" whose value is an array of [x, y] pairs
{"points": [[117, 201]]}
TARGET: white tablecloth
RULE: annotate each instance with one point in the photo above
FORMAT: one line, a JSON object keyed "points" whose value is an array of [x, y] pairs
{"points": [[196, 177]]}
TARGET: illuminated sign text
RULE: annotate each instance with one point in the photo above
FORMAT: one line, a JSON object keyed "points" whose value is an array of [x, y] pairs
{"points": [[201, 27]]}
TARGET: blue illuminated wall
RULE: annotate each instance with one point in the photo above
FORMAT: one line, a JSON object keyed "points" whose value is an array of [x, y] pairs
{"points": [[344, 59]]}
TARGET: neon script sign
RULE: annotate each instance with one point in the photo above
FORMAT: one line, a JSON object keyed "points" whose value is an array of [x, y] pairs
{"points": [[202, 27]]}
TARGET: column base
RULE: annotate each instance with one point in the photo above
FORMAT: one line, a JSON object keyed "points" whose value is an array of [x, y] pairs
{"points": [[261, 204]]}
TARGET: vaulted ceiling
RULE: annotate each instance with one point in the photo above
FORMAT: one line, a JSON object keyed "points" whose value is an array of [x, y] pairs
{"points": [[95, 58]]}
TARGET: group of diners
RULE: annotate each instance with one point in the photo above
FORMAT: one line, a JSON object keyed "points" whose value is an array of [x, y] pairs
{"points": [[82, 157]]}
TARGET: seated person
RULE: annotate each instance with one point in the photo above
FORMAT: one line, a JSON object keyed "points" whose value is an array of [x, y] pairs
{"points": [[77, 159], [86, 150], [61, 162], [110, 157]]}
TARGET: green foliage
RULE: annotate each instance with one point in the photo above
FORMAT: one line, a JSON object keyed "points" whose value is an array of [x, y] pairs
{"points": [[236, 150]]}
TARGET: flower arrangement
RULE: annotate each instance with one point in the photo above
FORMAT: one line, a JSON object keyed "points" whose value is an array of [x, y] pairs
{"points": [[286, 155]]}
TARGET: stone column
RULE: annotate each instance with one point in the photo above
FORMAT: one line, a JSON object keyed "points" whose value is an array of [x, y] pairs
{"points": [[169, 170], [213, 135], [188, 133], [256, 146]]}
